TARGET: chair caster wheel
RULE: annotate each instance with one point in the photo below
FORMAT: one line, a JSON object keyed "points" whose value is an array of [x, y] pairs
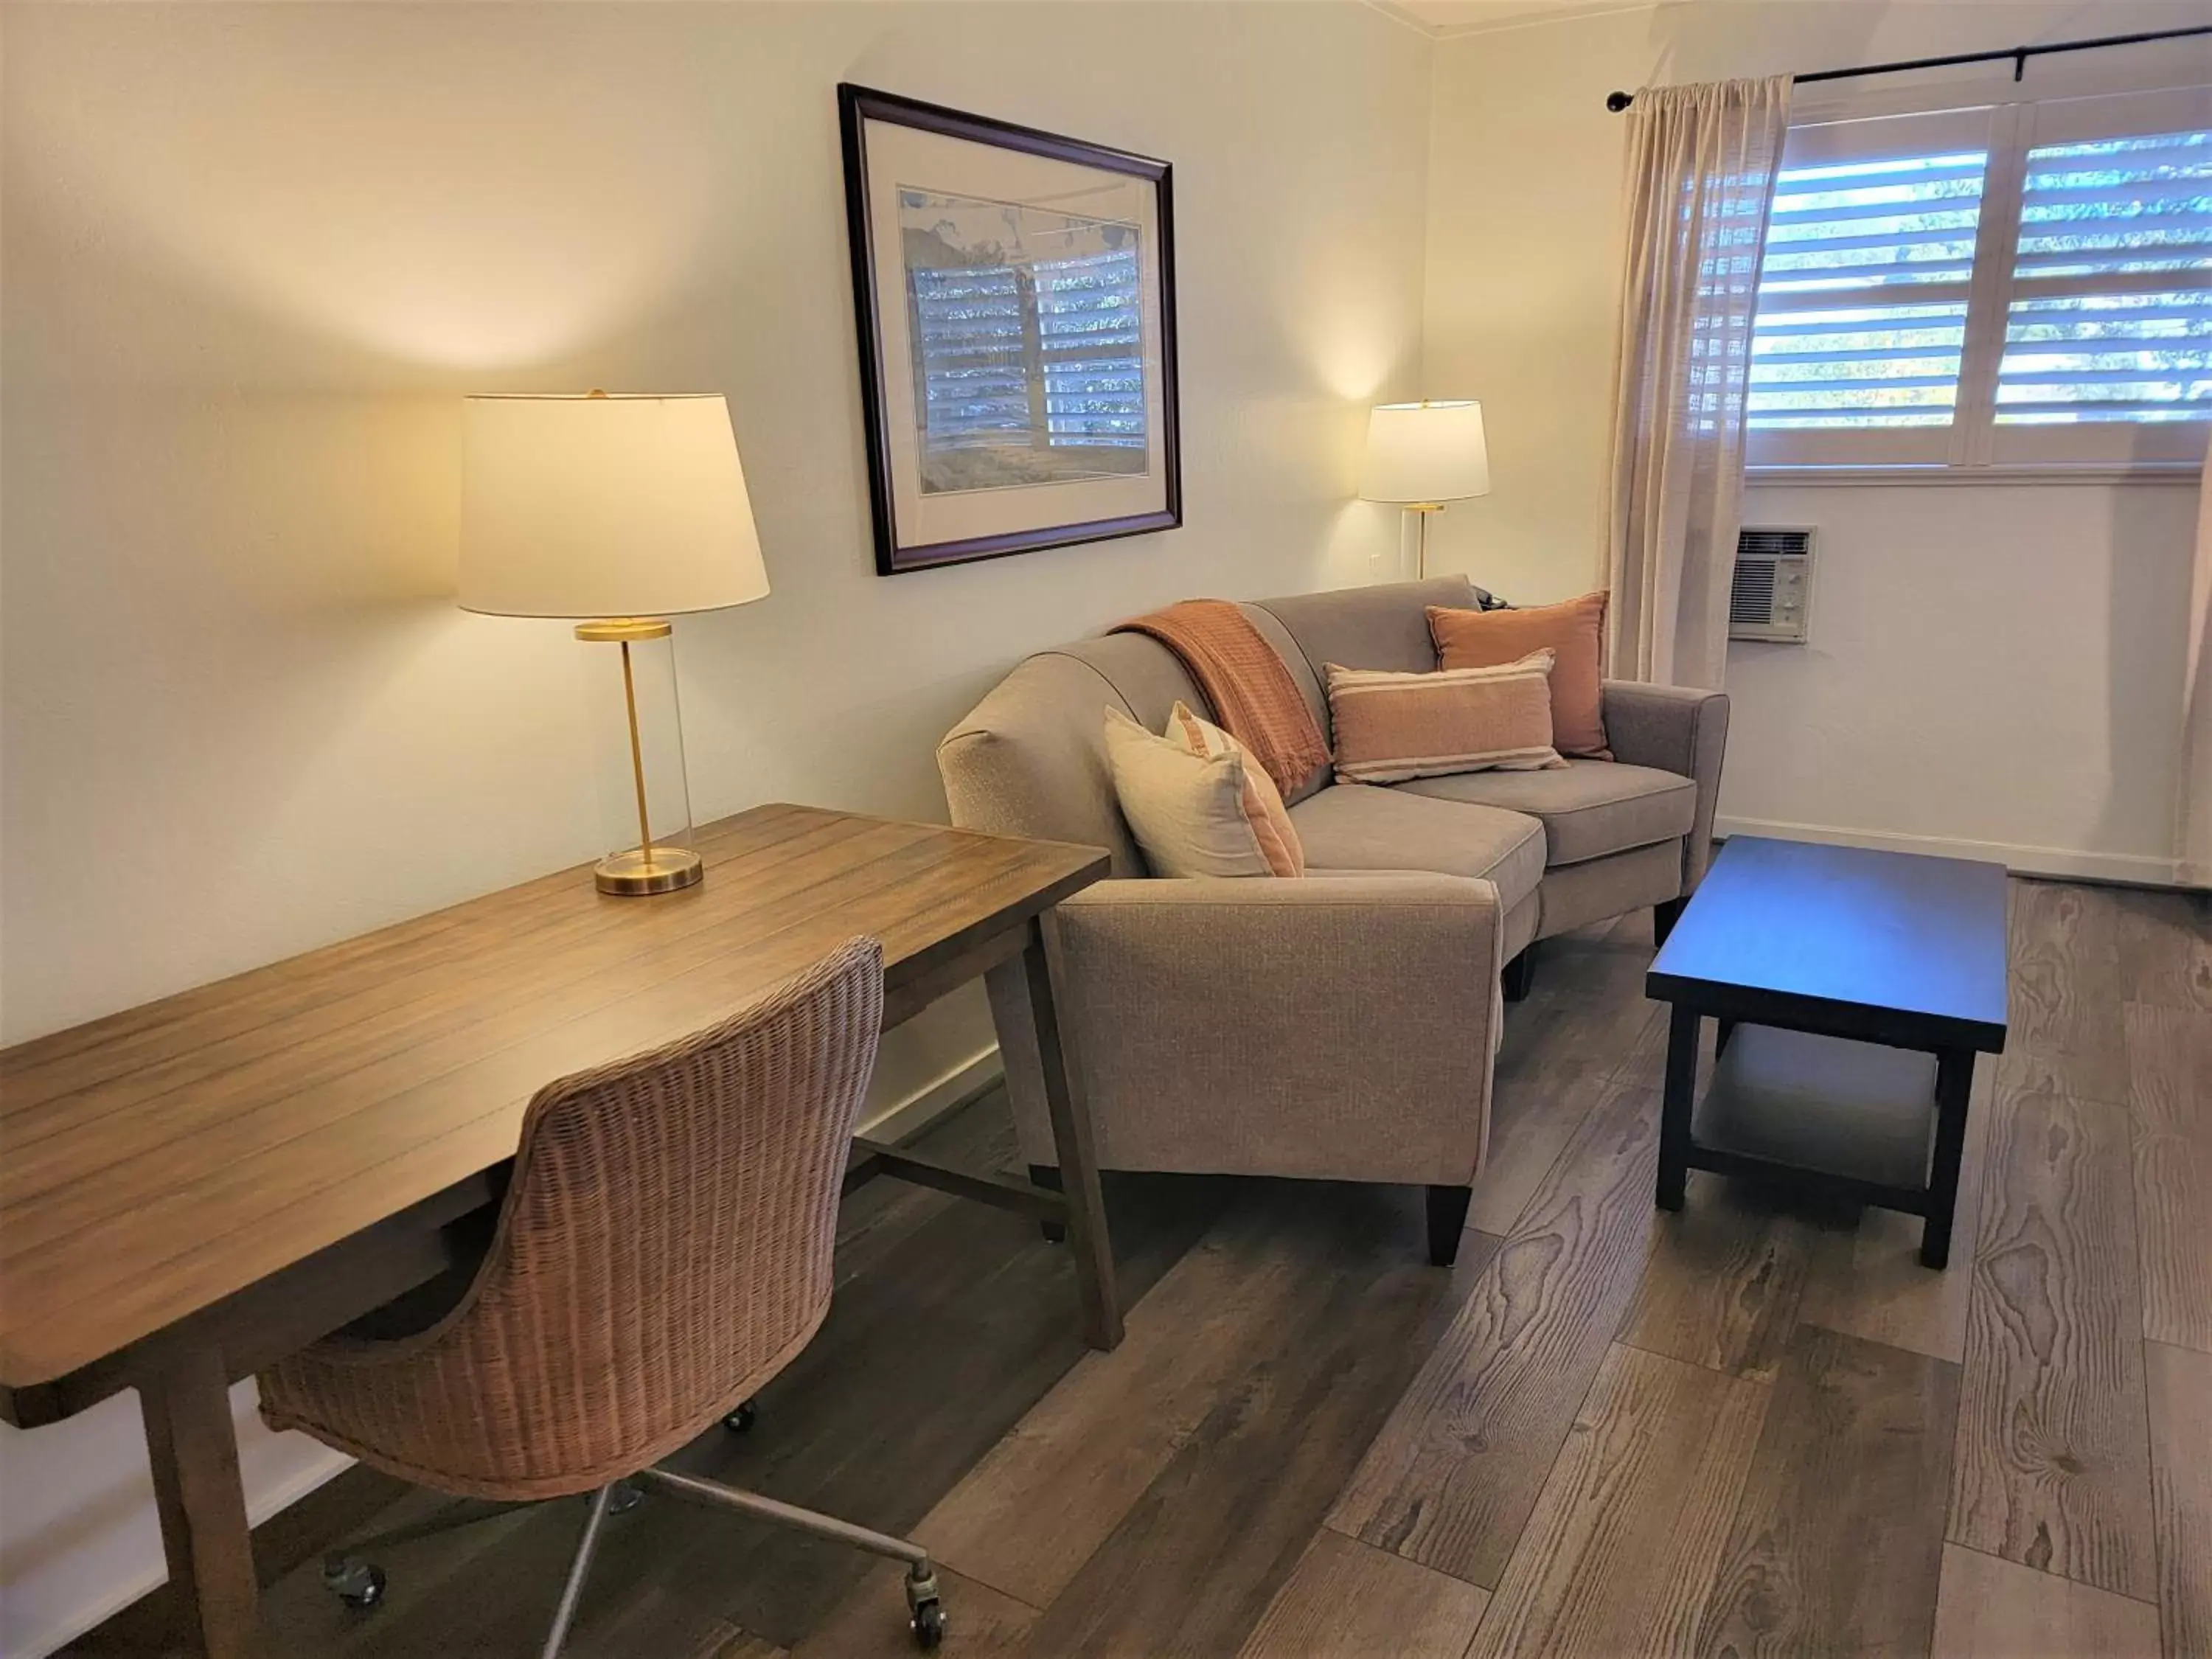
{"points": [[358, 1583], [929, 1626], [740, 1420], [922, 1601], [628, 1495]]}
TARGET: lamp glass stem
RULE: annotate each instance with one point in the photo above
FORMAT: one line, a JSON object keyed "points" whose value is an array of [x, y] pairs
{"points": [[636, 759], [1421, 510]]}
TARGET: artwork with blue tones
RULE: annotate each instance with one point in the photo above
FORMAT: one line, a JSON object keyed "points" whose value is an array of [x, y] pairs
{"points": [[1015, 301]]}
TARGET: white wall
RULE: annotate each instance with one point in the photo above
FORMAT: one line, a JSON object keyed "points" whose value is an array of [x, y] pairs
{"points": [[1998, 668], [252, 255]]}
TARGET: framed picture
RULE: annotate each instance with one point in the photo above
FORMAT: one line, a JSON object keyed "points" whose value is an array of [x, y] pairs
{"points": [[1015, 294]]}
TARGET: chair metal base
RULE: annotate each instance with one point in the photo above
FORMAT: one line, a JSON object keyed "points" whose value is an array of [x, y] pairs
{"points": [[572, 1589], [924, 1605], [359, 1582]]}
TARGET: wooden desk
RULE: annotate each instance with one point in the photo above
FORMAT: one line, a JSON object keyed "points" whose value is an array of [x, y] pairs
{"points": [[191, 1189]]}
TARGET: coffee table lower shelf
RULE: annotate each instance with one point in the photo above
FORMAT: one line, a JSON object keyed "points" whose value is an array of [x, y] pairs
{"points": [[1858, 1122], [1822, 1113]]}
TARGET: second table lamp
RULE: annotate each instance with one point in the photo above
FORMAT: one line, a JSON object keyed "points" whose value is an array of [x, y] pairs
{"points": [[1423, 455]]}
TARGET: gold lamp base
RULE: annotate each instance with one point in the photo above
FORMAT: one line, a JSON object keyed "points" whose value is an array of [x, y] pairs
{"points": [[635, 873]]}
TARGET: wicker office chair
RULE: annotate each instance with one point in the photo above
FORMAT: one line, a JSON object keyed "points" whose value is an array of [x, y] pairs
{"points": [[663, 1250]]}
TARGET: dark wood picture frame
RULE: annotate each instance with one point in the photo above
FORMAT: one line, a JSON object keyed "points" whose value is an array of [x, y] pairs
{"points": [[857, 106]]}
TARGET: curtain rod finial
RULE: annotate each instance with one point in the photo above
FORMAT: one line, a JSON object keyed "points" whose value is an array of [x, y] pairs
{"points": [[1617, 101]]}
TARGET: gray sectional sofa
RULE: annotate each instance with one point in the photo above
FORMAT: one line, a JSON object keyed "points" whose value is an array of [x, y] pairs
{"points": [[1340, 1025]]}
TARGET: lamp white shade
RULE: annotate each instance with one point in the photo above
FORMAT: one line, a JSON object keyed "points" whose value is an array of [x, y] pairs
{"points": [[1425, 453], [603, 506]]}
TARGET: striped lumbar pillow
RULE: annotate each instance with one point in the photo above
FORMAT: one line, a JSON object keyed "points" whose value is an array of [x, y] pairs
{"points": [[1392, 726]]}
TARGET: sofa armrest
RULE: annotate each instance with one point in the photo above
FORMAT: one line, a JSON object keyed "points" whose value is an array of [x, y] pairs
{"points": [[1677, 729], [1337, 1026]]}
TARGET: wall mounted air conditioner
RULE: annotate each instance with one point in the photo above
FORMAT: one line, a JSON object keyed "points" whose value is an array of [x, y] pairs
{"points": [[1772, 596]]}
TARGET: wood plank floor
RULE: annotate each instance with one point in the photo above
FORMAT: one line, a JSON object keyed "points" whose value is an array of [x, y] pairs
{"points": [[1746, 1428]]}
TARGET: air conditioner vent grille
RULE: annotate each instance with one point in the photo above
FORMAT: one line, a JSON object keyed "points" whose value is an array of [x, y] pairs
{"points": [[1772, 544], [1751, 598]]}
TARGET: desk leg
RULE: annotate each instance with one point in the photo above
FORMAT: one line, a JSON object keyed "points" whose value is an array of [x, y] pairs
{"points": [[204, 1534], [1070, 1137], [1954, 1084], [1682, 1025]]}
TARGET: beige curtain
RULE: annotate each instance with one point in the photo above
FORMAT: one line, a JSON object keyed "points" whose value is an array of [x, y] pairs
{"points": [[1700, 180], [2194, 841]]}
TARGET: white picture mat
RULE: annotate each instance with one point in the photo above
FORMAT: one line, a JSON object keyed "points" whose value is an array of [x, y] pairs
{"points": [[900, 155]]}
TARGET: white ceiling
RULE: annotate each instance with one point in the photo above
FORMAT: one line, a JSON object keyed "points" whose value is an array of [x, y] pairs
{"points": [[1466, 16]]}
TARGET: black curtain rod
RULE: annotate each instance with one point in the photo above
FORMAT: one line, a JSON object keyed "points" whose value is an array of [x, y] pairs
{"points": [[2018, 56]]}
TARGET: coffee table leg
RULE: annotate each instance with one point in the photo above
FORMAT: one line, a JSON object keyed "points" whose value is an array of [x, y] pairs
{"points": [[1954, 1083], [1674, 1110]]}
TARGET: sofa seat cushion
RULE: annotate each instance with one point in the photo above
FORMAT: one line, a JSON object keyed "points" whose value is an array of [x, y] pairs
{"points": [[1590, 808], [1358, 826]]}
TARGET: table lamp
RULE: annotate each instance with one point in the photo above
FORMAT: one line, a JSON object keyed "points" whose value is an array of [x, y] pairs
{"points": [[620, 512], [1422, 455]]}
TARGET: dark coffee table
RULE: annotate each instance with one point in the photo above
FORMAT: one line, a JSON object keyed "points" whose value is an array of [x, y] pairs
{"points": [[1853, 990]]}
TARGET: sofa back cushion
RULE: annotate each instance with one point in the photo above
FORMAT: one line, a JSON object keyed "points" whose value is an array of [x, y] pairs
{"points": [[1031, 759], [1386, 626], [1304, 675]]}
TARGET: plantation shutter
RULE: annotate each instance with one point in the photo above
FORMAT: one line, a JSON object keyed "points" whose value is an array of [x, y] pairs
{"points": [[1865, 288], [2108, 328]]}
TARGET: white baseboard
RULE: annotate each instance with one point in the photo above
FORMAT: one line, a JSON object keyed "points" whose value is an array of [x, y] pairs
{"points": [[2019, 860], [955, 1089], [118, 1589]]}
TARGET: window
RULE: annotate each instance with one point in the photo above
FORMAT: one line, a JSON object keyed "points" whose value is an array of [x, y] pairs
{"points": [[2027, 284]]}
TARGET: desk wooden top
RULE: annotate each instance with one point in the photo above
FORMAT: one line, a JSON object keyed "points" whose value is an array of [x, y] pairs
{"points": [[155, 1161]]}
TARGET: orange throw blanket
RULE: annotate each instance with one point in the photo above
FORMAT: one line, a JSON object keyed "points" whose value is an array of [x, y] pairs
{"points": [[1252, 692]]}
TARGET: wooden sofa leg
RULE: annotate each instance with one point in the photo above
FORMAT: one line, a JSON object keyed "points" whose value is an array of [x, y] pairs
{"points": [[1664, 915], [1447, 1220], [1520, 975], [1048, 1176]]}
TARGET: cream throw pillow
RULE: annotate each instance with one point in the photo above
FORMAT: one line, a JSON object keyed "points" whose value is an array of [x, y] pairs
{"points": [[1187, 810], [1392, 726], [1263, 802]]}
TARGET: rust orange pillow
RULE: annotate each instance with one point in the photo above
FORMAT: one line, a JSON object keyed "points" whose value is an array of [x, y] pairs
{"points": [[1573, 631]]}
